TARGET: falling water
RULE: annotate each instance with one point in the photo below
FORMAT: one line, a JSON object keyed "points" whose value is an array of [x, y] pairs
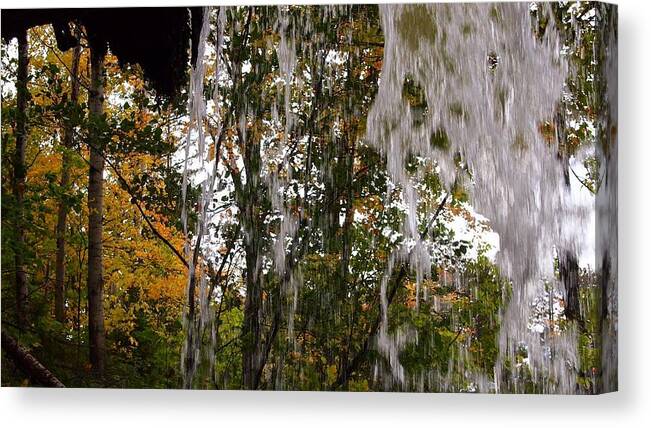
{"points": [[196, 139], [286, 52], [489, 84]]}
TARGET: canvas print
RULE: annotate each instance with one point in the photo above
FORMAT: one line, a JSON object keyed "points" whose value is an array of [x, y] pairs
{"points": [[396, 197]]}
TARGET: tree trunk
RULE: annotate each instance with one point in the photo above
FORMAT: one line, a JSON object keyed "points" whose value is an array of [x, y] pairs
{"points": [[248, 201], [252, 352], [569, 273], [59, 293], [252, 349], [28, 364], [19, 179], [95, 213]]}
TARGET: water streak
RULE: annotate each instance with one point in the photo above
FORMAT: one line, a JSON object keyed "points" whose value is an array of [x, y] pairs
{"points": [[488, 85]]}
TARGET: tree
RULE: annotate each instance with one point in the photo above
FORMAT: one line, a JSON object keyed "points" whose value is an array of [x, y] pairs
{"points": [[19, 180], [59, 296], [134, 134], [95, 213], [283, 252]]}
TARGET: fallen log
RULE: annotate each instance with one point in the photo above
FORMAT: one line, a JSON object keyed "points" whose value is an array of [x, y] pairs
{"points": [[29, 365]]}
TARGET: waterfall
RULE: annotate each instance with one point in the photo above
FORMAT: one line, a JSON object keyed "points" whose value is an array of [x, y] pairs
{"points": [[195, 253], [284, 241], [490, 86]]}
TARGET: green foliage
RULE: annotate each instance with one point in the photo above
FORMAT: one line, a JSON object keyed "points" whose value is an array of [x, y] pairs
{"points": [[336, 188]]}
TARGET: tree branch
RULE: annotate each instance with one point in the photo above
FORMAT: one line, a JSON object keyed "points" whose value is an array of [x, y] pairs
{"points": [[135, 202], [350, 368]]}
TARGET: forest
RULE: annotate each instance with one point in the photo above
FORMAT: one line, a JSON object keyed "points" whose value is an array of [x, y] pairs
{"points": [[340, 198]]}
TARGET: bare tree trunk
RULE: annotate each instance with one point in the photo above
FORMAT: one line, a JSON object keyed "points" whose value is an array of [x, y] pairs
{"points": [[59, 291], [569, 273], [252, 332], [19, 179], [95, 213], [28, 364], [252, 350]]}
